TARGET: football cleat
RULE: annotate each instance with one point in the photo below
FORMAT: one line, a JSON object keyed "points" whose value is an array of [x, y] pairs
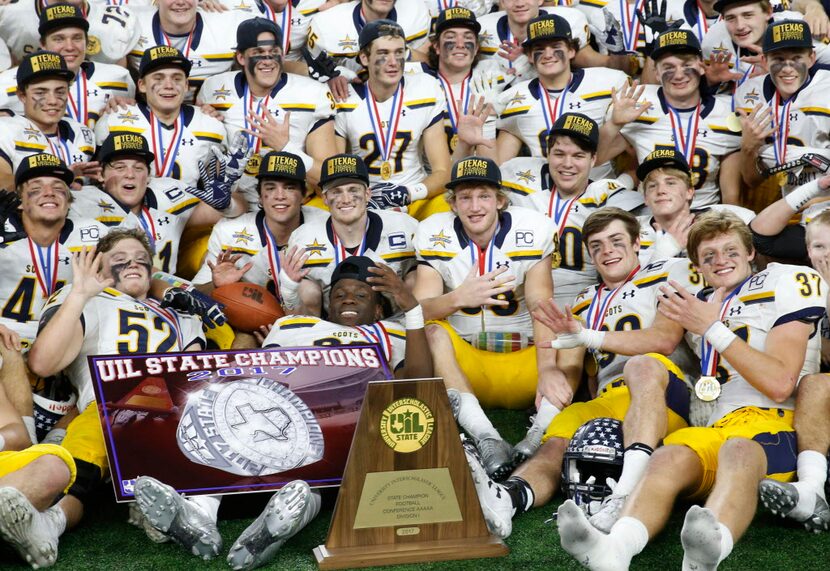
{"points": [[781, 498], [136, 518], [495, 501], [173, 515], [530, 443], [608, 513], [288, 511], [496, 456], [27, 530]]}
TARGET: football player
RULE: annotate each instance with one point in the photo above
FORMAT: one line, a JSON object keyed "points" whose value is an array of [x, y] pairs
{"points": [[63, 29], [392, 119], [755, 337], [483, 266], [782, 117], [679, 114], [478, 7], [180, 135], [261, 97], [531, 108], [646, 391], [104, 311], [350, 230], [43, 89]]}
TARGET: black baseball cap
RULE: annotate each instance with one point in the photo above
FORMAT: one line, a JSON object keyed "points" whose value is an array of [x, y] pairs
{"points": [[248, 31], [475, 169], [339, 168], [547, 27], [282, 165], [125, 145], [42, 64], [353, 268], [662, 158], [721, 5], [676, 42], [457, 17], [787, 34], [42, 164], [377, 29], [162, 56], [578, 126], [59, 16]]}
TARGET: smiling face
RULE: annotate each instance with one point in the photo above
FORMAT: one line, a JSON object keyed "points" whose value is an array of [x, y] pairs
{"points": [[178, 13], [456, 48], [724, 260], [353, 302], [613, 252], [818, 239], [262, 63], [570, 165], [164, 89], [378, 8], [521, 11], [789, 68], [679, 74], [746, 23], [552, 58], [347, 202], [130, 265], [68, 42], [125, 179], [44, 101], [667, 193], [385, 60], [281, 200], [44, 199], [477, 206]]}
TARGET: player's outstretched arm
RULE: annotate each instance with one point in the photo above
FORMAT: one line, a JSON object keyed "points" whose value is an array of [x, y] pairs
{"points": [[435, 147]]}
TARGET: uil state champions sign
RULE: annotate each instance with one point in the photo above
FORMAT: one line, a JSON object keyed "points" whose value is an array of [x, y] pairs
{"points": [[232, 421]]}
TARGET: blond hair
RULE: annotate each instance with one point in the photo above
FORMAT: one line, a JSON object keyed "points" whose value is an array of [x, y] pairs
{"points": [[716, 223]]}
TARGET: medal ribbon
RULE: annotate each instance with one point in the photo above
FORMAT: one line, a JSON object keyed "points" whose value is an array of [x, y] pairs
{"points": [[60, 150], [452, 106], [596, 311], [702, 22], [630, 25], [261, 107], [558, 213], [77, 106], [376, 333], [273, 258], [782, 128], [386, 141], [479, 258], [46, 266], [509, 40], [552, 111], [445, 4], [708, 355], [165, 158], [685, 143], [147, 223], [169, 317], [340, 252], [186, 50]]}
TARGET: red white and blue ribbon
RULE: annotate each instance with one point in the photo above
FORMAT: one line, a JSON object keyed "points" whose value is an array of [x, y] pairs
{"points": [[168, 316], [630, 24], [284, 23], [559, 209], [46, 266], [483, 259], [61, 149], [685, 139], [76, 105], [340, 252], [261, 107], [376, 333], [273, 251], [552, 110], [599, 306], [708, 355], [186, 50], [165, 157], [147, 223], [781, 124], [452, 103], [386, 140]]}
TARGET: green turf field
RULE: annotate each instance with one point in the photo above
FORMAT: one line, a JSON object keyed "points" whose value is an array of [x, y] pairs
{"points": [[106, 541]]}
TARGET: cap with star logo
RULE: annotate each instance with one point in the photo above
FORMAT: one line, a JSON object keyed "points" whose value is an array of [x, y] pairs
{"points": [[42, 164]]}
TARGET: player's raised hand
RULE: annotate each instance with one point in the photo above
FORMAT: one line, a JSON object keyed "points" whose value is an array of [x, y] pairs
{"points": [[679, 228], [482, 290], [718, 70], [756, 126], [626, 104], [386, 280], [10, 339], [688, 310], [116, 103], [292, 262], [757, 61], [224, 269], [471, 123], [87, 280], [274, 133]]}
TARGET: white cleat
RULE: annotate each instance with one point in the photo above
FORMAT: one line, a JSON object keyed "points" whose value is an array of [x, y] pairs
{"points": [[782, 498], [608, 513], [27, 530], [496, 456], [174, 516], [495, 501], [701, 538], [589, 546], [136, 518], [288, 511], [528, 446]]}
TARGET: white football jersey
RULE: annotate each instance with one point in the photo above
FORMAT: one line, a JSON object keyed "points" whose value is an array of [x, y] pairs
{"points": [[113, 30], [337, 29], [691, 16], [495, 30], [88, 94], [33, 273], [310, 103], [209, 47], [528, 111], [116, 324], [528, 184], [421, 103], [388, 240], [478, 7], [635, 36], [780, 294], [178, 148], [805, 117], [163, 216], [19, 138], [633, 306], [711, 141], [248, 236], [522, 239], [306, 331]]}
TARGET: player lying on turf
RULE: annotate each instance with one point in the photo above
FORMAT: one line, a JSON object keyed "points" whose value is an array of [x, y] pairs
{"points": [[646, 391], [755, 336], [355, 310]]}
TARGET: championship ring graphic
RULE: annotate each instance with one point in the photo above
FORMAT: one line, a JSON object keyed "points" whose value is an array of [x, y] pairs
{"points": [[406, 425], [249, 427]]}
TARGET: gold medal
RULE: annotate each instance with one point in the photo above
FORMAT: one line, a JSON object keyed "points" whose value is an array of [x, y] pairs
{"points": [[453, 142], [733, 123], [386, 170], [694, 178], [707, 388], [781, 179], [555, 259]]}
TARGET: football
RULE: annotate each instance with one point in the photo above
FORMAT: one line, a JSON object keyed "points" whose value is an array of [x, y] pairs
{"points": [[248, 306]]}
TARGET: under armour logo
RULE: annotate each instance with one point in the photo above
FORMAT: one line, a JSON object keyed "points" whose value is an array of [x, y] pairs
{"points": [[163, 221], [296, 21], [64, 261], [93, 92], [702, 133], [505, 264], [78, 158], [191, 141], [196, 62], [627, 294], [793, 116], [735, 310], [577, 105]]}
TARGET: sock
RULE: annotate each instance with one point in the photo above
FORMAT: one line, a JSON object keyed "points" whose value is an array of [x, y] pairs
{"points": [[812, 470], [521, 494], [210, 505], [630, 536], [546, 413], [471, 417], [56, 517], [29, 423], [635, 460], [726, 542]]}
